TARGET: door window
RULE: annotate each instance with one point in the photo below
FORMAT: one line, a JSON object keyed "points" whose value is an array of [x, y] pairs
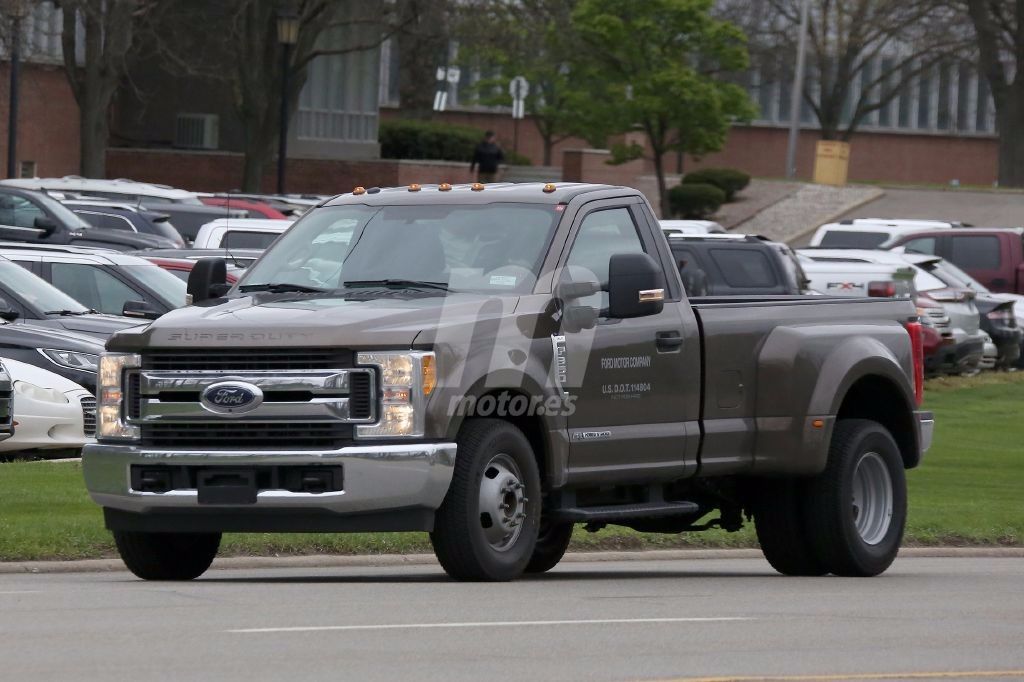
{"points": [[975, 252], [18, 211], [745, 268], [93, 287], [107, 221], [926, 245], [602, 235]]}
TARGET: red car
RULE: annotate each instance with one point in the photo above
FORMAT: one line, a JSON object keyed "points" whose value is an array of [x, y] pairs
{"points": [[256, 209], [181, 267]]}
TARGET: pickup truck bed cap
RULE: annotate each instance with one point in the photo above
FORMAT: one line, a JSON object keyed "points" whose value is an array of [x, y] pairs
{"points": [[519, 192]]}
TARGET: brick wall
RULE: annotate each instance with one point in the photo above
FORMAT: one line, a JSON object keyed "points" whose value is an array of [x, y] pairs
{"points": [[222, 171], [47, 120]]}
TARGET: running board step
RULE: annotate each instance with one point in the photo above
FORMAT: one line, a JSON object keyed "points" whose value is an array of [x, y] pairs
{"points": [[613, 512]]}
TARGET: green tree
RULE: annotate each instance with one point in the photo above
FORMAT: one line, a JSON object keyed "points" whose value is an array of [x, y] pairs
{"points": [[662, 66]]}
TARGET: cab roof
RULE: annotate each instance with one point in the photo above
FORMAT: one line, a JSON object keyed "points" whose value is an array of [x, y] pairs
{"points": [[515, 192]]}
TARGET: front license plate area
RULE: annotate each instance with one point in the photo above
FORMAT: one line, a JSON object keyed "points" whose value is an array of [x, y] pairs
{"points": [[226, 486]]}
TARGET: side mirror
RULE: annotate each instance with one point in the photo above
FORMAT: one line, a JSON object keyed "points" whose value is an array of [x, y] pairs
{"points": [[7, 312], [208, 279], [636, 286], [47, 225], [140, 309]]}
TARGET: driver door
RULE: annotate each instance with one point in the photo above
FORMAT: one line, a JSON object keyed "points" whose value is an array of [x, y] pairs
{"points": [[637, 380], [18, 220]]}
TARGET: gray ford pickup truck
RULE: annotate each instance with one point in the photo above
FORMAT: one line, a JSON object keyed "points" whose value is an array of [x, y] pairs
{"points": [[494, 364]]}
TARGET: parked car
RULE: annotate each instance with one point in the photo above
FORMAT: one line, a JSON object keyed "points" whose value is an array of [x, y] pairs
{"points": [[72, 355], [111, 215], [292, 205], [735, 265], [188, 219], [870, 233], [182, 267], [938, 343], [690, 227], [122, 190], [249, 233], [6, 398], [106, 281], [237, 259], [252, 208], [957, 301], [37, 218], [55, 415], [993, 256], [25, 296]]}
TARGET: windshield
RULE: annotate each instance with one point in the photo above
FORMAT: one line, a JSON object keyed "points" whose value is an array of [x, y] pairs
{"points": [[491, 248], [955, 277], [61, 212], [164, 284], [34, 291]]}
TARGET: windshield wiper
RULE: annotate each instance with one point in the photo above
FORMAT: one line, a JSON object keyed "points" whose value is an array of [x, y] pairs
{"points": [[68, 312], [401, 283], [283, 287]]}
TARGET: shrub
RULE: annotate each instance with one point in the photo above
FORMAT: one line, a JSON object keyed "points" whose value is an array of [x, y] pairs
{"points": [[729, 180], [409, 139], [516, 159], [695, 201]]}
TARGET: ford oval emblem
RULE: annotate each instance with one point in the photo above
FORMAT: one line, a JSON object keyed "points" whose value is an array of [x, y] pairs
{"points": [[231, 397]]}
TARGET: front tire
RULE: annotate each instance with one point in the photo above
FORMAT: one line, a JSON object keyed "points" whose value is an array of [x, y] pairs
{"points": [[856, 510], [167, 556], [486, 528]]}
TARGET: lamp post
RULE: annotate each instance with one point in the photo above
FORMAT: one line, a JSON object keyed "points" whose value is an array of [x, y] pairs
{"points": [[796, 96], [287, 35], [16, 11]]}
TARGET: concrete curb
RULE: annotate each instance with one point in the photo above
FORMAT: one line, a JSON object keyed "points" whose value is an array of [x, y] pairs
{"points": [[384, 560], [839, 214]]}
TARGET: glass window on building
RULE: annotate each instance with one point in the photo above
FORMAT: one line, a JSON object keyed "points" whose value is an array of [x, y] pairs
{"points": [[945, 113], [885, 118], [982, 117], [963, 98], [924, 100]]}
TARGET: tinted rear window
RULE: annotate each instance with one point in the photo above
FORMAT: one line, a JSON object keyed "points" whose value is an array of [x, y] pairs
{"points": [[972, 252], [744, 268], [853, 240], [249, 240]]}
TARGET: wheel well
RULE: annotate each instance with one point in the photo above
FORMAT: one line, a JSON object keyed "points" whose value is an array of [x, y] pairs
{"points": [[532, 427], [880, 400]]}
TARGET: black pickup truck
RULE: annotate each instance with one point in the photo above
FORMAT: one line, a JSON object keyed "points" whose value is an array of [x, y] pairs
{"points": [[494, 364]]}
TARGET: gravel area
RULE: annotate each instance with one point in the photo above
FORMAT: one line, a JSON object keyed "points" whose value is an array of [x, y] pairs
{"points": [[755, 197], [807, 208]]}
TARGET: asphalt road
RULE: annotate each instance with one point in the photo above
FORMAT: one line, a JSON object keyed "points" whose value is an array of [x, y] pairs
{"points": [[584, 621]]}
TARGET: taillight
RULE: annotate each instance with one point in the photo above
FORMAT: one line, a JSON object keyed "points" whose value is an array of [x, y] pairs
{"points": [[882, 289], [917, 351]]}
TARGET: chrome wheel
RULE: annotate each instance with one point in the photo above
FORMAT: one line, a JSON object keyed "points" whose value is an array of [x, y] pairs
{"points": [[502, 502], [872, 498]]}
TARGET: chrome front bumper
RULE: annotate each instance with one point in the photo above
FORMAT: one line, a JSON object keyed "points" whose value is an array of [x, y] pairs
{"points": [[925, 429], [377, 478]]}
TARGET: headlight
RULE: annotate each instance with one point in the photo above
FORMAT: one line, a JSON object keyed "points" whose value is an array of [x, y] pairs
{"points": [[406, 378], [69, 359], [40, 394], [110, 404]]}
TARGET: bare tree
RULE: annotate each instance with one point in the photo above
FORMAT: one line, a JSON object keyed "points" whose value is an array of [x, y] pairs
{"points": [[861, 53], [104, 32], [422, 41], [999, 33]]}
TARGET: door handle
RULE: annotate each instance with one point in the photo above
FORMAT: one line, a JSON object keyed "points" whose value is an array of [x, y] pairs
{"points": [[669, 341]]}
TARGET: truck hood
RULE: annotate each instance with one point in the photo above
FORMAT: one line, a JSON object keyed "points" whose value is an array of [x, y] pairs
{"points": [[98, 325], [393, 319]]}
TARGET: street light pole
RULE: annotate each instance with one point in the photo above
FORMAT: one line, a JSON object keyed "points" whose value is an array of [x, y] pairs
{"points": [[287, 35], [796, 96], [12, 108]]}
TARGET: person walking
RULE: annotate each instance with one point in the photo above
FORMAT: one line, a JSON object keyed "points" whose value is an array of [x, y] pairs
{"points": [[486, 158]]}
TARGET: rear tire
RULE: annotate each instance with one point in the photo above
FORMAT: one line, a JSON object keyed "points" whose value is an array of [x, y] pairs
{"points": [[552, 542], [856, 509], [167, 556], [486, 528], [781, 531]]}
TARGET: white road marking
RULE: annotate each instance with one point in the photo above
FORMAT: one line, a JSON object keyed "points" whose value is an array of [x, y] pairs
{"points": [[489, 624], [21, 592]]}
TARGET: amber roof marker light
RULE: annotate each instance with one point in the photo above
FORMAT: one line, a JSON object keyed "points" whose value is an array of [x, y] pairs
{"points": [[414, 187], [444, 187], [359, 190], [549, 187], [477, 187]]}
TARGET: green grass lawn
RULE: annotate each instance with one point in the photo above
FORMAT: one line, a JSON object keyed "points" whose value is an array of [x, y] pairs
{"points": [[970, 490]]}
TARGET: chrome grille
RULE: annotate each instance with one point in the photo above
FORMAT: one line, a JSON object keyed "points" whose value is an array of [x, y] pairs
{"points": [[237, 435], [254, 359], [89, 416]]}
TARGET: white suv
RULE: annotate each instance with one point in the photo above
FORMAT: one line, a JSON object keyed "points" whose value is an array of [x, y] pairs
{"points": [[870, 233], [121, 190]]}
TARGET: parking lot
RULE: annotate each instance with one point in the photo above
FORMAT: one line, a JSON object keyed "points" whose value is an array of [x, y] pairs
{"points": [[679, 619]]}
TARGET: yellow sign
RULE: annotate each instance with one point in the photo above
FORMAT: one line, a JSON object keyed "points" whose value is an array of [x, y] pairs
{"points": [[831, 162]]}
